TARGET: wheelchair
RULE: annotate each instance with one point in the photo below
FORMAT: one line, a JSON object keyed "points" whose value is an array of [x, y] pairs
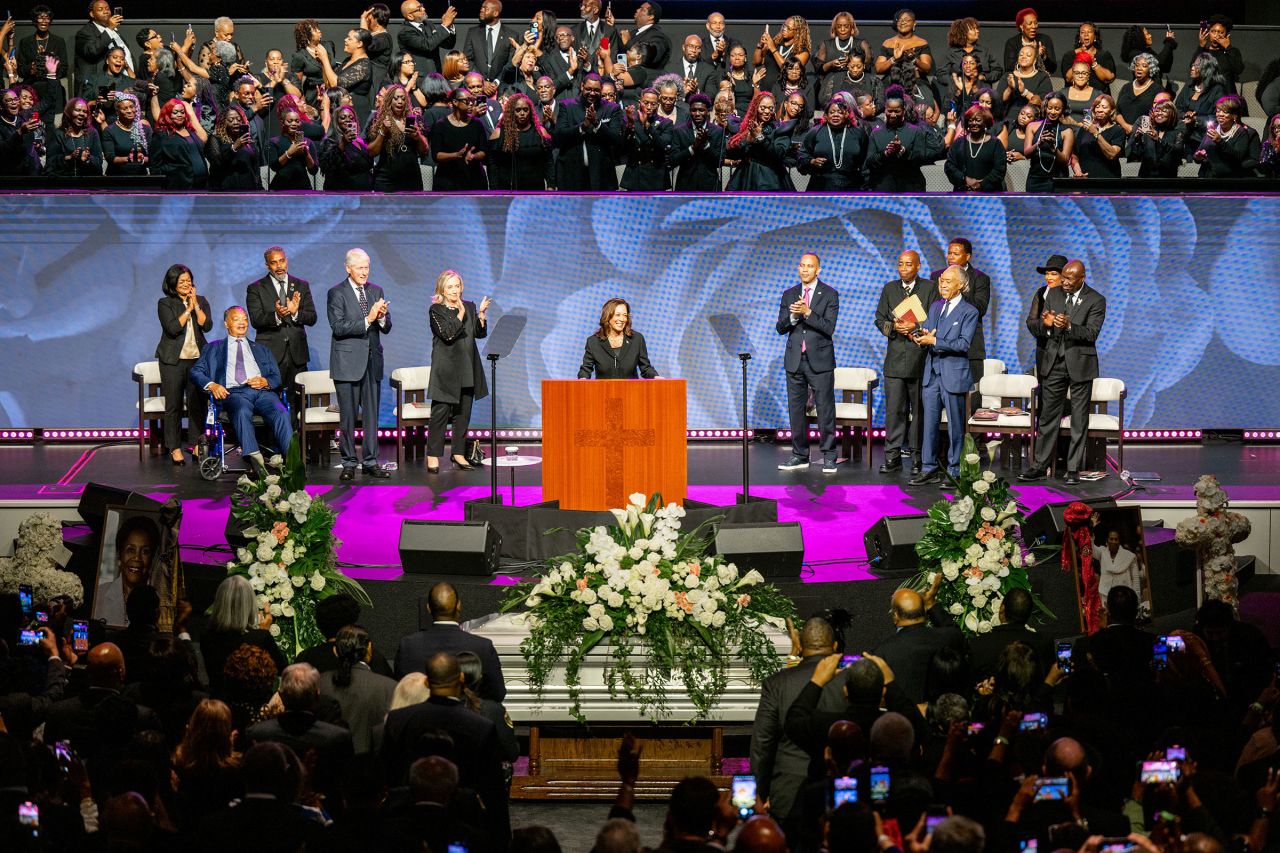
{"points": [[212, 452]]}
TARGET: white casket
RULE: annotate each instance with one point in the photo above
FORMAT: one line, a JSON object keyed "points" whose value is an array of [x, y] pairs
{"points": [[507, 631]]}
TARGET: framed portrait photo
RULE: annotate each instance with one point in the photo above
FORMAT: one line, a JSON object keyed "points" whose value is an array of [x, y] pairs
{"points": [[137, 551]]}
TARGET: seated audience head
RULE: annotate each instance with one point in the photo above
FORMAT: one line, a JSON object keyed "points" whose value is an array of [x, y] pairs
{"points": [[845, 745], [444, 676], [300, 687], [1214, 620], [208, 742], [127, 822], [274, 769], [1016, 607], [533, 839], [958, 834], [235, 607], [691, 813], [948, 672], [433, 779], [618, 835], [1122, 606], [907, 608], [335, 612], [106, 666], [1067, 755], [410, 690], [442, 600], [864, 682], [472, 669], [249, 675], [893, 740], [760, 834], [142, 607], [352, 646]]}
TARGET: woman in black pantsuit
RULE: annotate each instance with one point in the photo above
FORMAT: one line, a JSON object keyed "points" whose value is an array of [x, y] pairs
{"points": [[184, 319], [457, 374], [615, 350]]}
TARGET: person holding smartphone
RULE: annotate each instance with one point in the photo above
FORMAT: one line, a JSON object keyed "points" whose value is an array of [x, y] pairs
{"points": [[233, 156], [457, 373], [397, 141], [97, 36], [291, 155]]}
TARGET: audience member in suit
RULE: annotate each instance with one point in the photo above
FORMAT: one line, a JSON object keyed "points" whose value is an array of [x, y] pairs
{"points": [[1072, 321], [1052, 272], [488, 45], [332, 614], [807, 314], [184, 319], [648, 31], [235, 620], [587, 134], [645, 138], [358, 319], [142, 612], [443, 724], [948, 332], [472, 683], [241, 374], [1015, 612], [170, 681], [95, 38], [1121, 651], [977, 294], [422, 39], [445, 635], [273, 777], [911, 646], [438, 813], [717, 43], [693, 69], [364, 696], [588, 34], [457, 373], [324, 747], [903, 367], [779, 764], [280, 309], [560, 61], [697, 147]]}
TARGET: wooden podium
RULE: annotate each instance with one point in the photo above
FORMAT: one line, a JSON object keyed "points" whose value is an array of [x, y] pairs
{"points": [[604, 439]]}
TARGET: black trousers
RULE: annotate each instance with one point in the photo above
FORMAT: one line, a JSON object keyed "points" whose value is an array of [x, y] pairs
{"points": [[288, 387], [175, 384], [977, 368], [1053, 402], [903, 416], [824, 399], [363, 398], [441, 414]]}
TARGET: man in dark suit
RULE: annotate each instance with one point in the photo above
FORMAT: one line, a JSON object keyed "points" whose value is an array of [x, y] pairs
{"points": [[717, 43], [694, 70], [807, 315], [446, 635], [358, 319], [272, 782], [1015, 611], [948, 333], [95, 38], [443, 724], [915, 641], [240, 374], [422, 39], [903, 367], [436, 813], [978, 294], [280, 309], [560, 62], [648, 31], [696, 149], [1071, 323], [298, 728], [588, 34], [1052, 272], [779, 764], [587, 134], [488, 45]]}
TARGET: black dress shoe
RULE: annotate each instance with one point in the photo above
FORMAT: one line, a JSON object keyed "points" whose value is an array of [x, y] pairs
{"points": [[376, 473], [1073, 478], [465, 466], [891, 467], [348, 474], [1031, 475], [433, 470], [929, 478]]}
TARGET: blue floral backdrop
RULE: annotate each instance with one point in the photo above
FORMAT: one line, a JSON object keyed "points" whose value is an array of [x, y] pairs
{"points": [[1192, 306]]}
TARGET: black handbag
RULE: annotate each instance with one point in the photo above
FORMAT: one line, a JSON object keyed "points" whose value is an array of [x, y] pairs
{"points": [[475, 452]]}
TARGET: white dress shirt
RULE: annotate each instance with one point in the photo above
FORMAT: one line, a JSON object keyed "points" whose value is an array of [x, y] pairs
{"points": [[250, 363]]}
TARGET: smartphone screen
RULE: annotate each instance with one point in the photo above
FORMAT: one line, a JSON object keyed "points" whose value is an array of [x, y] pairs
{"points": [[25, 598], [30, 638], [849, 660], [1176, 643], [80, 636], [457, 848], [621, 59], [1176, 753], [1064, 657], [879, 784], [844, 790], [29, 818], [1052, 788], [1028, 845], [1159, 772], [42, 618], [974, 728], [744, 795], [62, 750], [1032, 722], [1160, 653], [934, 817]]}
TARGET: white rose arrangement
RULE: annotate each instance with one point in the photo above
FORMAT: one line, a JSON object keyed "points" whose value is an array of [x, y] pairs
{"points": [[34, 561]]}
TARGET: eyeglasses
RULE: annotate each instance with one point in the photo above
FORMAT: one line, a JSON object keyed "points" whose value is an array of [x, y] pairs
{"points": [[465, 100]]}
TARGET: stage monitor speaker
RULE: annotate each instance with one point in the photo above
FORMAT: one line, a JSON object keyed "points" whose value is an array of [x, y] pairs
{"points": [[776, 549], [891, 545], [1044, 526], [449, 547], [96, 498]]}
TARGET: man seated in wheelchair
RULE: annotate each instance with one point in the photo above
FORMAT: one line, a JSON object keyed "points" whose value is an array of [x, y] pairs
{"points": [[240, 374]]}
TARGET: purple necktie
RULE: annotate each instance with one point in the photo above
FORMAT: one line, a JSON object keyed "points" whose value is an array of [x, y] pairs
{"points": [[239, 375]]}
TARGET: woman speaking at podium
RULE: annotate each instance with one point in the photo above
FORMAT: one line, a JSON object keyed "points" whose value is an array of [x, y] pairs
{"points": [[457, 374], [615, 350]]}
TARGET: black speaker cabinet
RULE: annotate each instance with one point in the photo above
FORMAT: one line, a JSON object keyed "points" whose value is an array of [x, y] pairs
{"points": [[776, 550], [449, 547], [891, 545], [1044, 526], [96, 497]]}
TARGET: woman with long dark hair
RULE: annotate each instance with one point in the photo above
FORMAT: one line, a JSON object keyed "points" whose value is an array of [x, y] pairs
{"points": [[177, 148], [457, 374], [364, 695], [1269, 152], [234, 161], [356, 73], [473, 675], [760, 148], [374, 19], [1137, 40], [395, 138], [344, 155], [1049, 145], [1088, 49], [291, 155], [615, 350], [74, 148], [18, 155], [185, 319], [774, 52], [1204, 86], [520, 158], [831, 154], [739, 79], [404, 70]]}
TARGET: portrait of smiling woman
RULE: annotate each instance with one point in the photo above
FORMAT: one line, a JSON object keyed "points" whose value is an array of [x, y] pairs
{"points": [[132, 545]]}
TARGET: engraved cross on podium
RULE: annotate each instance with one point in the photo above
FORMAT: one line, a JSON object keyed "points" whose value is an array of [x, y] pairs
{"points": [[615, 438]]}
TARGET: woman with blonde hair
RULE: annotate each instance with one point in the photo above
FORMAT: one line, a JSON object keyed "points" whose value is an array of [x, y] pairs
{"points": [[206, 763], [457, 374]]}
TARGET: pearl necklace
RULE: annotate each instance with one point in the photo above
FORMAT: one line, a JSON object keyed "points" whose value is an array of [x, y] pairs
{"points": [[837, 159], [848, 48], [973, 152]]}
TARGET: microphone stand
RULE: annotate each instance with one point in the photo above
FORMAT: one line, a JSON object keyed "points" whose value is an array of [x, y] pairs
{"points": [[493, 428], [744, 357]]}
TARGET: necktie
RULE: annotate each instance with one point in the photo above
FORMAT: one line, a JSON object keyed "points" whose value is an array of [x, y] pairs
{"points": [[805, 297], [946, 311], [239, 374], [688, 70], [362, 299], [283, 289], [493, 41], [907, 287]]}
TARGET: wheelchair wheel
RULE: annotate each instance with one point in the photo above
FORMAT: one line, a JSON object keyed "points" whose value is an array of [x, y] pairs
{"points": [[211, 468]]}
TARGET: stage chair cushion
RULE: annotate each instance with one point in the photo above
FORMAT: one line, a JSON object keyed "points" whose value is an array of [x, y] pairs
{"points": [[854, 378], [1003, 421], [318, 415], [1097, 421], [148, 371], [152, 405], [414, 412], [315, 382], [412, 378], [845, 412]]}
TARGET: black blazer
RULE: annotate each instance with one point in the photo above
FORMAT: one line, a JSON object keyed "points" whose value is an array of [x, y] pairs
{"points": [[173, 333], [424, 45], [1078, 343], [631, 362], [659, 46], [814, 331], [985, 649], [600, 144], [453, 345], [302, 732], [288, 337], [903, 359], [91, 50], [697, 170], [476, 49], [979, 296], [909, 649], [415, 649]]}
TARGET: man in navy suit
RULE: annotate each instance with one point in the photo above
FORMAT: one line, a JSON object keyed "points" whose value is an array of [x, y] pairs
{"points": [[357, 321], [240, 374], [807, 316], [948, 334], [446, 635]]}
